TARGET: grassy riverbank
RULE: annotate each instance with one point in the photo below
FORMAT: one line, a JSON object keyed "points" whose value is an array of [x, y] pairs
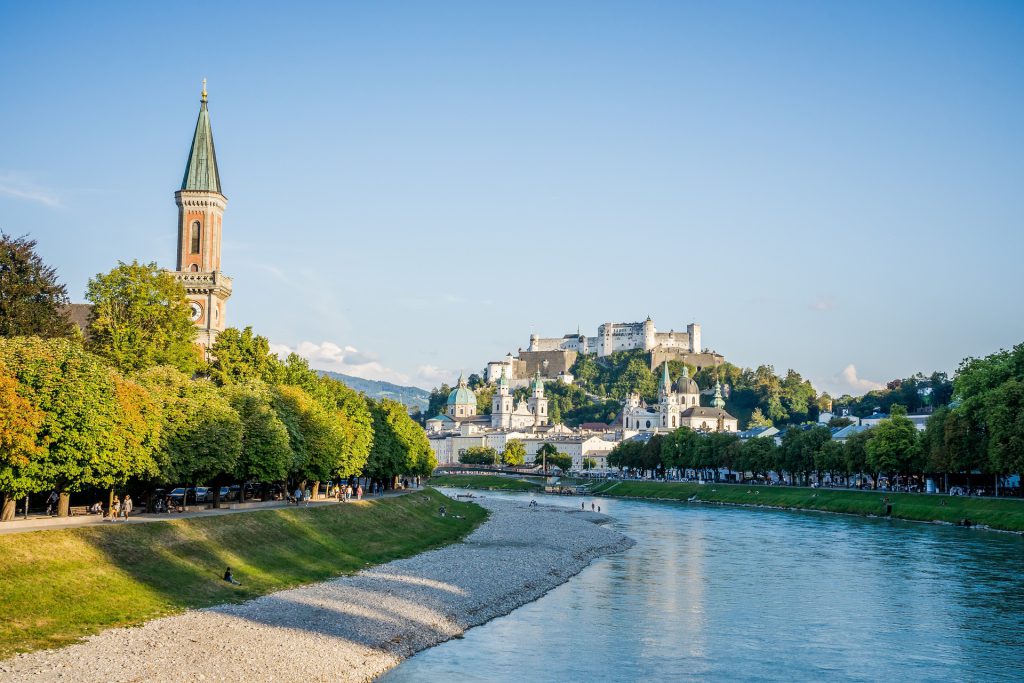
{"points": [[488, 482], [999, 513], [61, 585]]}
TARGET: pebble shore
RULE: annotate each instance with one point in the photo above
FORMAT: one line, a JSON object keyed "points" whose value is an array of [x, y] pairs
{"points": [[352, 628]]}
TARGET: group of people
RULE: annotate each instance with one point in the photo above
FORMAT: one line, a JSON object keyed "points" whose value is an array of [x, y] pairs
{"points": [[119, 508], [345, 493]]}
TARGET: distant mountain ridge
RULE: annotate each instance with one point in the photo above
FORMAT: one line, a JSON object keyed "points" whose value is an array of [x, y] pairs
{"points": [[411, 397]]}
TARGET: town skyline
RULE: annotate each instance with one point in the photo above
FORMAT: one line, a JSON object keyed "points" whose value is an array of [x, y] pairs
{"points": [[419, 230]]}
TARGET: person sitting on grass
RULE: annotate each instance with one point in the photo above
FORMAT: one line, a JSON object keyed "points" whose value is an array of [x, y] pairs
{"points": [[230, 578]]}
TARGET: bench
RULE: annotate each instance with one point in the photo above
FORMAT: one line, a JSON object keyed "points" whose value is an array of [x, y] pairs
{"points": [[78, 510]]}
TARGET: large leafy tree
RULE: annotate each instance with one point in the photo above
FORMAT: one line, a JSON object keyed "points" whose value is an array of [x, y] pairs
{"points": [[758, 456], [266, 452], [478, 455], [351, 410], [201, 434], [515, 453], [400, 446], [20, 448], [894, 446], [317, 440], [31, 298], [140, 318], [1005, 426], [98, 429], [243, 355]]}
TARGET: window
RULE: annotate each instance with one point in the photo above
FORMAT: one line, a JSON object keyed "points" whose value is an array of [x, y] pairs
{"points": [[648, 424], [196, 230], [194, 268]]}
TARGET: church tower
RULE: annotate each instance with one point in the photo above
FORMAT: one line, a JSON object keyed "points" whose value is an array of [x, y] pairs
{"points": [[501, 404], [201, 207], [538, 405]]}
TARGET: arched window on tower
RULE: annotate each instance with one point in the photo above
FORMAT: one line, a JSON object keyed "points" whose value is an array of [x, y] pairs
{"points": [[196, 230]]}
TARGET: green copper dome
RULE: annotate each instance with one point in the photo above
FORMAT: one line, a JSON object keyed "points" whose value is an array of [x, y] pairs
{"points": [[462, 395]]}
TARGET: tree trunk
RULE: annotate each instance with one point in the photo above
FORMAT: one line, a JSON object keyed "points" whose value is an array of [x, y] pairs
{"points": [[216, 497], [64, 505], [7, 512], [110, 503], [316, 489]]}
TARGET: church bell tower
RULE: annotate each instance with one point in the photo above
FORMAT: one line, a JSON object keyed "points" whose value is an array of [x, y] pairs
{"points": [[200, 212]]}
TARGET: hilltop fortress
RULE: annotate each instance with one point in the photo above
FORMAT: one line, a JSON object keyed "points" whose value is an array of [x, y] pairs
{"points": [[552, 357]]}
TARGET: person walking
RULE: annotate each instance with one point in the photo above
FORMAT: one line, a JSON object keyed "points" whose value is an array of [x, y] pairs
{"points": [[51, 503], [359, 492], [115, 509], [126, 507]]}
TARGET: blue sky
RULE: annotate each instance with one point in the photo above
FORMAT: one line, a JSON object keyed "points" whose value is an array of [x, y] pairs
{"points": [[415, 187]]}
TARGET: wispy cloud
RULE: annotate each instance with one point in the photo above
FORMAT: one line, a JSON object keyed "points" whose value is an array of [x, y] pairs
{"points": [[848, 381], [20, 187], [824, 304], [347, 360]]}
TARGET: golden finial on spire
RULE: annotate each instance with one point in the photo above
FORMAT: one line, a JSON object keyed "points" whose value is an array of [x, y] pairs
{"points": [[204, 90]]}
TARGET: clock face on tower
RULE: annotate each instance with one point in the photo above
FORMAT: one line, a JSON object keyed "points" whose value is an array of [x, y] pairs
{"points": [[197, 311]]}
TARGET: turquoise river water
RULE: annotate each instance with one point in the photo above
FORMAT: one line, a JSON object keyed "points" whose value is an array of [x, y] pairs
{"points": [[737, 594]]}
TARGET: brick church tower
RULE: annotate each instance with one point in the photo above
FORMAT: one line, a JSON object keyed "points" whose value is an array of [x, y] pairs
{"points": [[200, 211]]}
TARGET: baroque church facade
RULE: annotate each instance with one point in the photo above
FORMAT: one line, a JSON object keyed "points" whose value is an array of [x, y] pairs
{"points": [[678, 406], [201, 204], [506, 413]]}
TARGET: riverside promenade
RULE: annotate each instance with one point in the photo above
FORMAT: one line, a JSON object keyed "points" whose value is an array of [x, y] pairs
{"points": [[38, 522], [351, 628]]}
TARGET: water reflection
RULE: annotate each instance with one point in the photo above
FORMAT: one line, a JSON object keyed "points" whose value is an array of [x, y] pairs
{"points": [[717, 593]]}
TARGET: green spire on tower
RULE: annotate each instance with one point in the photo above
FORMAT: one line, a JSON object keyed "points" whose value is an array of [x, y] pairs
{"points": [[201, 171], [718, 401]]}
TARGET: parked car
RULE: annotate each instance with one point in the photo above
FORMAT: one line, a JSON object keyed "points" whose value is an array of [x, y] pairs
{"points": [[200, 494], [179, 495]]}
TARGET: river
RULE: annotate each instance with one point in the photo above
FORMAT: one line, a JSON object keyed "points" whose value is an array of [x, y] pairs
{"points": [[716, 593]]}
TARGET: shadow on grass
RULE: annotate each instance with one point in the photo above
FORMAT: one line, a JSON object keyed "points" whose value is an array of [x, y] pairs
{"points": [[64, 584]]}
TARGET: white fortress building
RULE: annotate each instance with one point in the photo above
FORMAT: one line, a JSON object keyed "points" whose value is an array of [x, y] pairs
{"points": [[553, 357], [614, 337]]}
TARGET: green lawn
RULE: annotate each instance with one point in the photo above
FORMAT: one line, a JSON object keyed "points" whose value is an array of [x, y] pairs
{"points": [[998, 513], [488, 481], [58, 586]]}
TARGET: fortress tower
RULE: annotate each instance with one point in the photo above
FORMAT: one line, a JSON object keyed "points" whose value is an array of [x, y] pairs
{"points": [[200, 212]]}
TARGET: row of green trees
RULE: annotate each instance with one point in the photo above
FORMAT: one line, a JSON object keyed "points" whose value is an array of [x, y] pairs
{"points": [[134, 400], [894, 447], [514, 455]]}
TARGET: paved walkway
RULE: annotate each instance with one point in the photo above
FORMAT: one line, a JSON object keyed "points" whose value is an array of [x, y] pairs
{"points": [[37, 522]]}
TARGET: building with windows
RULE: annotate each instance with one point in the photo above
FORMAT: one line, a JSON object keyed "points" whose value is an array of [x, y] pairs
{"points": [[201, 204], [678, 406]]}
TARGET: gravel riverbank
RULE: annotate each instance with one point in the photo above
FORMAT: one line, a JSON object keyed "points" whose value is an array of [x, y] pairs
{"points": [[352, 628]]}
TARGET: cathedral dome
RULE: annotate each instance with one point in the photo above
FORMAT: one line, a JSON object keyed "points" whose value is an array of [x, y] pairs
{"points": [[462, 395], [685, 385]]}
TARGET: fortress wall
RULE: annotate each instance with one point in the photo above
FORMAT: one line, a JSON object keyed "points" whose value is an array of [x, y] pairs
{"points": [[532, 361], [699, 360]]}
